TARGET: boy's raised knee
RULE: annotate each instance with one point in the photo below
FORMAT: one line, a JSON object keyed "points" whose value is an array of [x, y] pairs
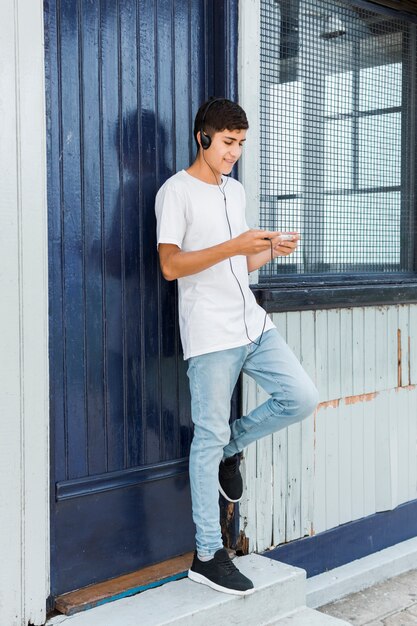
{"points": [[309, 399]]}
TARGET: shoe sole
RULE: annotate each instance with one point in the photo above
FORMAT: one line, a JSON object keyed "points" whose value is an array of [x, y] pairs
{"points": [[227, 497], [199, 578]]}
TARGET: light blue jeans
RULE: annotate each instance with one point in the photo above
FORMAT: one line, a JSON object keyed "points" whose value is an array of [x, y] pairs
{"points": [[213, 377]]}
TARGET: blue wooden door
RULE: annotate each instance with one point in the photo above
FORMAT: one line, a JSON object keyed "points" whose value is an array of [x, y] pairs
{"points": [[124, 79]]}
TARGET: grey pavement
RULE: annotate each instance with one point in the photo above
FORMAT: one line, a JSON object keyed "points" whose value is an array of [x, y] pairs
{"points": [[392, 602]]}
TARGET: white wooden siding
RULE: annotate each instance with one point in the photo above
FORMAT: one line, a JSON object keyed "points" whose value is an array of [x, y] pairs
{"points": [[357, 454]]}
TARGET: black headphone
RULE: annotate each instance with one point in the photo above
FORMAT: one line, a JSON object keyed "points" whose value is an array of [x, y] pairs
{"points": [[204, 138]]}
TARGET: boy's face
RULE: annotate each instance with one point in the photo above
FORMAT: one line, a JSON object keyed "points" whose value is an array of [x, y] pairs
{"points": [[225, 149]]}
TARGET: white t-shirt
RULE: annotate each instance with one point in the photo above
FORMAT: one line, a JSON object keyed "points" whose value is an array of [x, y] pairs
{"points": [[192, 215]]}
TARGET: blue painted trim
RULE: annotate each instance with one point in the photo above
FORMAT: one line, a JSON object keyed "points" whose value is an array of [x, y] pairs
{"points": [[129, 592], [116, 480], [350, 541]]}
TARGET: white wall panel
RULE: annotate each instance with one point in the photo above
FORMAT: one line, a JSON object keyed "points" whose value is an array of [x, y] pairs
{"points": [[411, 409], [382, 364], [369, 349], [24, 454], [358, 382], [322, 369], [263, 485], [331, 435], [391, 338], [247, 507], [346, 444], [279, 486], [369, 456], [333, 361], [357, 454], [358, 500], [413, 343], [346, 352]]}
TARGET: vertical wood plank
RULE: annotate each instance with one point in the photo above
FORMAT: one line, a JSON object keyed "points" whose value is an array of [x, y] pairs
{"points": [[369, 459], [264, 487], [307, 474], [72, 247], [403, 444], [321, 355], [279, 479], [24, 396], [403, 315], [319, 521], [293, 515], [400, 397], [333, 353], [358, 350], [264, 508], [11, 470], [369, 349], [358, 450], [345, 463], [346, 353], [308, 343], [393, 446], [280, 321], [412, 442], [247, 508], [383, 487], [307, 425], [93, 235], [293, 336], [381, 349], [391, 338], [332, 466], [294, 473], [412, 325]]}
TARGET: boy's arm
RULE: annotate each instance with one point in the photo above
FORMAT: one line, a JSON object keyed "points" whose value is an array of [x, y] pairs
{"points": [[175, 263]]}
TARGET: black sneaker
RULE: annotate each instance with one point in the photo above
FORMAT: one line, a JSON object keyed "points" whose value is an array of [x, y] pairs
{"points": [[230, 479], [220, 574]]}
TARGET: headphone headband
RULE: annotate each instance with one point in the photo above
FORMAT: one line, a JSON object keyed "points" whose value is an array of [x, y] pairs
{"points": [[206, 139]]}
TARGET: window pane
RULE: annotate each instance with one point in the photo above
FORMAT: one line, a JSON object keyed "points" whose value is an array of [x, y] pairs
{"points": [[358, 227], [284, 139], [338, 93], [380, 86], [338, 155], [336, 135], [380, 150]]}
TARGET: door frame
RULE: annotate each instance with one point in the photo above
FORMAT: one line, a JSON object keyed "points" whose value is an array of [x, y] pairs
{"points": [[24, 368]]}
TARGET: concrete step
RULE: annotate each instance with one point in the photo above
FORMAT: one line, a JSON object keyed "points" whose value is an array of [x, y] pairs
{"points": [[280, 594], [308, 617]]}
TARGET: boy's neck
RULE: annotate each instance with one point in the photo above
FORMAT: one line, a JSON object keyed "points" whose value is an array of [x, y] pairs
{"points": [[201, 170]]}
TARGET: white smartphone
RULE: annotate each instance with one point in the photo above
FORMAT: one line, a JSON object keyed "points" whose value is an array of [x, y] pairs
{"points": [[286, 237]]}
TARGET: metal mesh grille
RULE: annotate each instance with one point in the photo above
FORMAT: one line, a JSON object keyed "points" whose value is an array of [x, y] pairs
{"points": [[338, 136]]}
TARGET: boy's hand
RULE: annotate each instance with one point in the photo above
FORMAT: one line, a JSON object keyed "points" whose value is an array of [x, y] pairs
{"points": [[286, 247], [254, 241]]}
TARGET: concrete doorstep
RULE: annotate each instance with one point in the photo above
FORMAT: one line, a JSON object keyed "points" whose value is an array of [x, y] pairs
{"points": [[279, 598]]}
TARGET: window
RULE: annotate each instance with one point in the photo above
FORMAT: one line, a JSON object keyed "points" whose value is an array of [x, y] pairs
{"points": [[338, 138]]}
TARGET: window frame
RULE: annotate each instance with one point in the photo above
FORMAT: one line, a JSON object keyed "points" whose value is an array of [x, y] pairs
{"points": [[287, 292]]}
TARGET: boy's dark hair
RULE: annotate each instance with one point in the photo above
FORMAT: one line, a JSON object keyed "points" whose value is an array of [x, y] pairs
{"points": [[221, 115]]}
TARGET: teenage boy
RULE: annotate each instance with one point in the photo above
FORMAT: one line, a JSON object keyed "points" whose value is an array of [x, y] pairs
{"points": [[205, 243]]}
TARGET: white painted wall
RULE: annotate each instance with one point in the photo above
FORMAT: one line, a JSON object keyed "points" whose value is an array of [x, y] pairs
{"points": [[24, 387], [357, 454]]}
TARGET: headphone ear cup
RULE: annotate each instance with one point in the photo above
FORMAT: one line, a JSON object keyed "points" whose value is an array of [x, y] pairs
{"points": [[205, 140]]}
